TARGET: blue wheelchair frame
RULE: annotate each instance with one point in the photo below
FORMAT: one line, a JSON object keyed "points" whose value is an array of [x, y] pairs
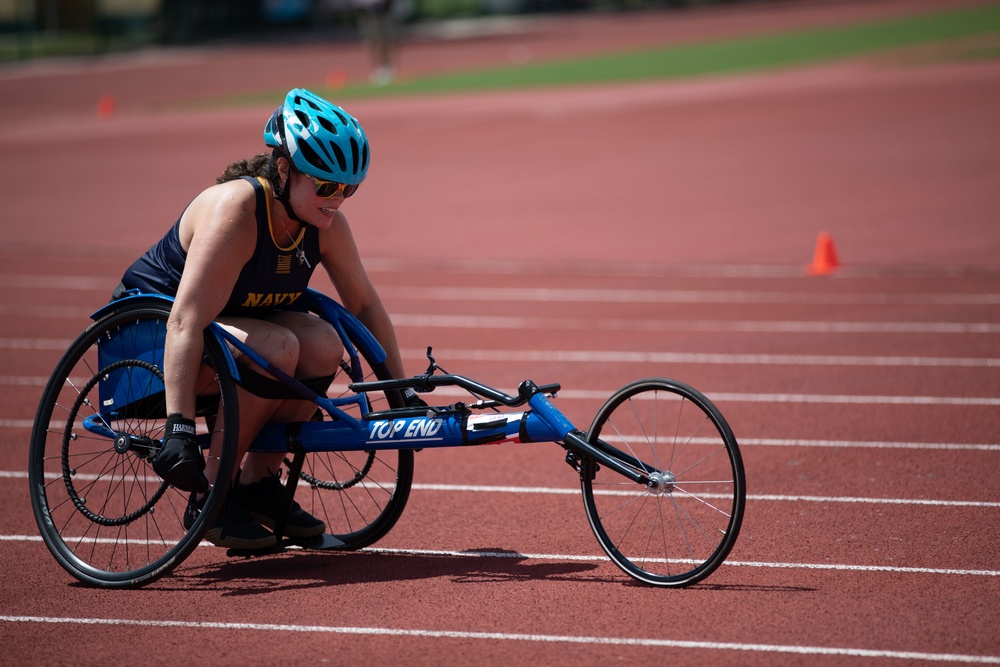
{"points": [[402, 428]]}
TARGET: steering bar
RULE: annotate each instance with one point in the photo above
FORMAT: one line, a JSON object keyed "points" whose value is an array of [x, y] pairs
{"points": [[427, 383]]}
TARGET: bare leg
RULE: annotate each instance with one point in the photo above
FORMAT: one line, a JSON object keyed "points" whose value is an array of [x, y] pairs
{"points": [[300, 345]]}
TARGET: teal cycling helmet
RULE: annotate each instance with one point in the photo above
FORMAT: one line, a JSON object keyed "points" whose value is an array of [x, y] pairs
{"points": [[321, 139]]}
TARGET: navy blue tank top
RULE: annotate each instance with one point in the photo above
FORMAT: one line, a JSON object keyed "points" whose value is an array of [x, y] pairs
{"points": [[274, 277]]}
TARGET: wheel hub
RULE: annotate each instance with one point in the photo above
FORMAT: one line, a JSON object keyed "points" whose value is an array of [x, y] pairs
{"points": [[661, 482], [139, 445], [123, 443]]}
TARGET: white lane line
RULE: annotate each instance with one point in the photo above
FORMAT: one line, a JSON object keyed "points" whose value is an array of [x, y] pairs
{"points": [[722, 359], [584, 294], [574, 491], [622, 356], [77, 540], [733, 563], [600, 395], [856, 399], [862, 399], [514, 637], [868, 444], [836, 567], [548, 269], [35, 343], [762, 442], [627, 325], [610, 357], [491, 322], [873, 501], [59, 282], [64, 312], [622, 295], [771, 497]]}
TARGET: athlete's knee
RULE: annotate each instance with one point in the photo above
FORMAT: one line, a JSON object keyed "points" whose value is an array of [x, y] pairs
{"points": [[321, 351], [281, 347]]}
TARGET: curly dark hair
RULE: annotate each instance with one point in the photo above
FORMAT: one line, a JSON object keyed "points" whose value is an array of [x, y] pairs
{"points": [[254, 166]]}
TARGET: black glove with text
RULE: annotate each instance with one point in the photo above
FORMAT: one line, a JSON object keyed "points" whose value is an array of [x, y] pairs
{"points": [[180, 462], [412, 400]]}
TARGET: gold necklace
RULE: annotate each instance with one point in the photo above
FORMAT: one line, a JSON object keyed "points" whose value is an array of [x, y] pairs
{"points": [[300, 254]]}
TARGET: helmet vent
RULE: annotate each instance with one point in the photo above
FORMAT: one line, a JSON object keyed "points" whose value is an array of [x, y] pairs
{"points": [[354, 154], [314, 159], [300, 99], [327, 125], [274, 126], [339, 154], [303, 118]]}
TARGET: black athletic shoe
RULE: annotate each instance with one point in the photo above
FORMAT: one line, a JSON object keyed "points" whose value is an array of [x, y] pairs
{"points": [[263, 500], [234, 528]]}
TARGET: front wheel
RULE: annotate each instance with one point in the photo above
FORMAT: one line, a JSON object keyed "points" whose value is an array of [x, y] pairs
{"points": [[677, 528]]}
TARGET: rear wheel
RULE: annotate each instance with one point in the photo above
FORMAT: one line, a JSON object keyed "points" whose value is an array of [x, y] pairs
{"points": [[678, 528], [108, 519]]}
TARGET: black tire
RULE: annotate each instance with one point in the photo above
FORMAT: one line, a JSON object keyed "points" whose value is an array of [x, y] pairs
{"points": [[679, 529], [360, 495], [108, 519]]}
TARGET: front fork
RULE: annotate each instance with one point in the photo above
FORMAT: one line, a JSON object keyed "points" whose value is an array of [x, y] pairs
{"points": [[578, 448], [575, 441]]}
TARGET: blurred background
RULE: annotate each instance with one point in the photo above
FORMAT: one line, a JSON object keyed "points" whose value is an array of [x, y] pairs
{"points": [[737, 131], [30, 28]]}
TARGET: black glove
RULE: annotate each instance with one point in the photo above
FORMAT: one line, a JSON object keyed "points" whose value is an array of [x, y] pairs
{"points": [[411, 400], [180, 462]]}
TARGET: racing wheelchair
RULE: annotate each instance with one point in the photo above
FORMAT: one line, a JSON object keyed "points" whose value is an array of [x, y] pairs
{"points": [[659, 468]]}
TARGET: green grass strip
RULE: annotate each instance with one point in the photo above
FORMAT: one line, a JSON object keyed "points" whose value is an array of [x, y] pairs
{"points": [[740, 55]]}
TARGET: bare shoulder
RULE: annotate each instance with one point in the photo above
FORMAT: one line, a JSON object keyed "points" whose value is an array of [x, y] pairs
{"points": [[225, 210]]}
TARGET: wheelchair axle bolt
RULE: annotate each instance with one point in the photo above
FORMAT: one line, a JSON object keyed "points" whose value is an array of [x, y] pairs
{"points": [[122, 443], [661, 482]]}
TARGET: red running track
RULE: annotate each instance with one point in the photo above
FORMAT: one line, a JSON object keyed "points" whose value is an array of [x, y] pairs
{"points": [[590, 237]]}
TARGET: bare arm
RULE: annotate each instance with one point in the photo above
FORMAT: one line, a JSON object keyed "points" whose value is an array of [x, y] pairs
{"points": [[343, 264], [219, 231]]}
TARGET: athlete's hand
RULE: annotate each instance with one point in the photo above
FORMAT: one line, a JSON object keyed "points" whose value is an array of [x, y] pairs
{"points": [[180, 462], [412, 400]]}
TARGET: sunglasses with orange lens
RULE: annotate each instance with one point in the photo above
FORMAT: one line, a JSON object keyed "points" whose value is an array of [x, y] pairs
{"points": [[329, 189]]}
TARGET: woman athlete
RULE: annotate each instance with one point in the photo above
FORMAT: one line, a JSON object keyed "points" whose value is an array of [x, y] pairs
{"points": [[241, 254]]}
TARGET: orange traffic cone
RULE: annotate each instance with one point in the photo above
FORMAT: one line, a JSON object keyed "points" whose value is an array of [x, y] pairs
{"points": [[825, 259], [336, 79], [106, 106]]}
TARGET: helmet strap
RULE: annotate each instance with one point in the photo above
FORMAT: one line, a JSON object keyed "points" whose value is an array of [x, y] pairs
{"points": [[282, 197], [281, 193]]}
